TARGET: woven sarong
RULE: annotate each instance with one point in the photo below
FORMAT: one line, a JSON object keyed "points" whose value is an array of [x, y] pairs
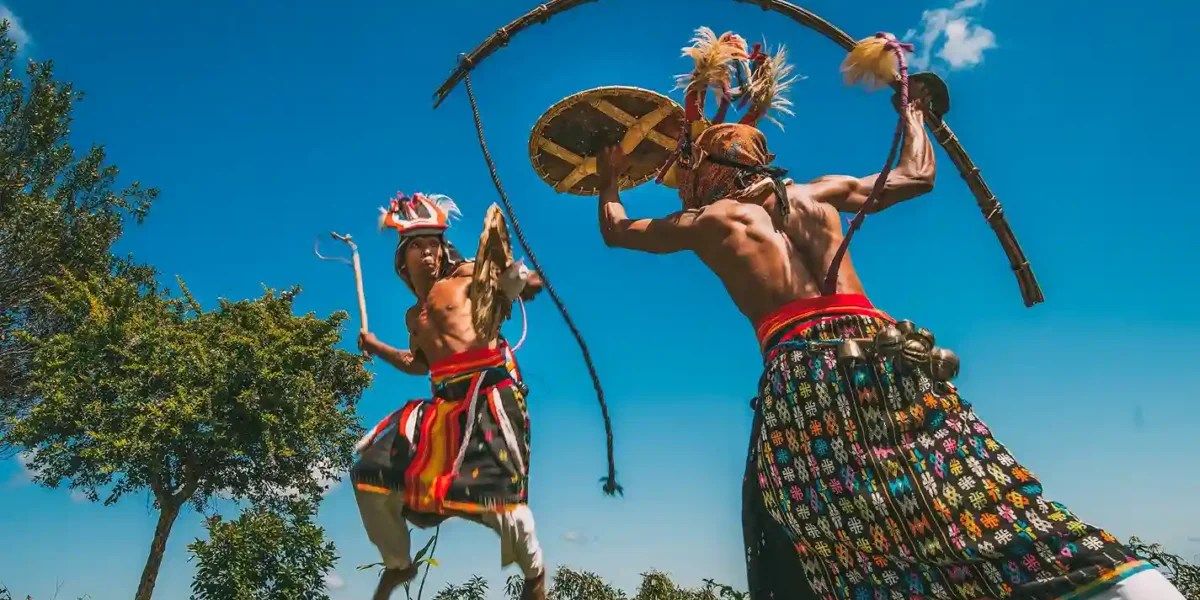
{"points": [[416, 450], [886, 485]]}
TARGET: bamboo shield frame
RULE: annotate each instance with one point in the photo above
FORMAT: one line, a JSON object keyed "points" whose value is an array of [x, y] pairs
{"points": [[564, 142], [988, 204]]}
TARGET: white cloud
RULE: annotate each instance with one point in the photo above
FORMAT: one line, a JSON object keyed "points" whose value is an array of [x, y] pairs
{"points": [[328, 484], [574, 537], [16, 31], [334, 581], [27, 472], [951, 35]]}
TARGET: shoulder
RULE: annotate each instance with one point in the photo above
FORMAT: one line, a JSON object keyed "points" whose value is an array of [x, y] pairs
{"points": [[805, 198], [410, 316], [729, 212], [464, 269]]}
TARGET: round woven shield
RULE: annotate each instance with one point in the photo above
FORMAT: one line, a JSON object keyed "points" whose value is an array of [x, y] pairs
{"points": [[489, 308], [565, 140]]}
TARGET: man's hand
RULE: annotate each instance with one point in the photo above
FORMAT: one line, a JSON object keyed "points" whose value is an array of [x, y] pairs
{"points": [[533, 286], [611, 163], [919, 98], [367, 342]]}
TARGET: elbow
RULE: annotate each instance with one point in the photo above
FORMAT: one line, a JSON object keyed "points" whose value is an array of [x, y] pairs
{"points": [[921, 187], [610, 237], [919, 182]]}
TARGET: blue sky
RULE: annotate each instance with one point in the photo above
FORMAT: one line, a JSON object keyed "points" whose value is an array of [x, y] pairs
{"points": [[267, 126]]}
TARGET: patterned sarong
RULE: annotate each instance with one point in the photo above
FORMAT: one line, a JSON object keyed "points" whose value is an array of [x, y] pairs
{"points": [[419, 449], [876, 483]]}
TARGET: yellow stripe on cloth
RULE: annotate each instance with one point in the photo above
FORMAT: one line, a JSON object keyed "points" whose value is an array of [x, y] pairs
{"points": [[1108, 579]]}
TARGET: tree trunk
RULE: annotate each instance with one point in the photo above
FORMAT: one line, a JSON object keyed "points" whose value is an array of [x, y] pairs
{"points": [[166, 520]]}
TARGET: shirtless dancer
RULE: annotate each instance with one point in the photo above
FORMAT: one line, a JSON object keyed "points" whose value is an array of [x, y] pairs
{"points": [[411, 466], [871, 479]]}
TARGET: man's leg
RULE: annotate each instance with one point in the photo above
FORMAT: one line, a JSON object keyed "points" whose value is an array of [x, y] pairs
{"points": [[1147, 585], [519, 544], [383, 518]]}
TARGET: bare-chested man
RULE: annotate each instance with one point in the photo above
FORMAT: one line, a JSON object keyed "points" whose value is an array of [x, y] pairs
{"points": [[467, 452], [867, 473]]}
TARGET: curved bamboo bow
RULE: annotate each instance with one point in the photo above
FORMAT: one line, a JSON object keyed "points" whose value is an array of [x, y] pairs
{"points": [[1031, 292]]}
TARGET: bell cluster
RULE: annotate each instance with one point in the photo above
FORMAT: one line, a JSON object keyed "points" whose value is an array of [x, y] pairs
{"points": [[906, 344]]}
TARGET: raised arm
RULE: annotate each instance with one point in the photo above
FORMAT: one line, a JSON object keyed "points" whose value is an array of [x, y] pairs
{"points": [[912, 176], [672, 233]]}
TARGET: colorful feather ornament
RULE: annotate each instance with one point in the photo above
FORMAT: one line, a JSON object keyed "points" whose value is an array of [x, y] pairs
{"points": [[871, 63], [712, 57], [769, 78], [447, 206]]}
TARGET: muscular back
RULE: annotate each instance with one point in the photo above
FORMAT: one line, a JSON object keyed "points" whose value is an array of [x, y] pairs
{"points": [[441, 326], [765, 263]]}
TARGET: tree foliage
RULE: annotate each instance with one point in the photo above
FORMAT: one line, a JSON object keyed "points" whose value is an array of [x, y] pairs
{"points": [[264, 555], [475, 588], [149, 391], [569, 584], [58, 211]]}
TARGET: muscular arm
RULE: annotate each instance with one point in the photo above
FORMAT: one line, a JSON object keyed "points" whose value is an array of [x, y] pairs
{"points": [[912, 176], [405, 360], [672, 233]]}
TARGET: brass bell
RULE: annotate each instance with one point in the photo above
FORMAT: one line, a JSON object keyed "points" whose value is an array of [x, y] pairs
{"points": [[943, 364], [849, 353], [906, 327], [889, 341], [915, 351], [927, 335], [924, 336]]}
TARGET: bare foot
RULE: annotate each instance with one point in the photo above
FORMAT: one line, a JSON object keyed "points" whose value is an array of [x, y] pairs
{"points": [[392, 579]]}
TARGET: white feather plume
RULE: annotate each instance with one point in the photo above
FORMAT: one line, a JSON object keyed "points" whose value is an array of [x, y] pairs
{"points": [[444, 203]]}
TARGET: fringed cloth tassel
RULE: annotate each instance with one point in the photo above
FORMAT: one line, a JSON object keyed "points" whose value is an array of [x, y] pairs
{"points": [[875, 62]]}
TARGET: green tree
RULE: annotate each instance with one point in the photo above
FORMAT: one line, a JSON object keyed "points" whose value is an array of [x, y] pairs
{"points": [[474, 589], [149, 391], [264, 555], [58, 211], [569, 584]]}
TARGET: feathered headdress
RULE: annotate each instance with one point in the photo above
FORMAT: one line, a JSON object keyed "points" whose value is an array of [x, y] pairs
{"points": [[418, 214], [762, 79], [770, 77]]}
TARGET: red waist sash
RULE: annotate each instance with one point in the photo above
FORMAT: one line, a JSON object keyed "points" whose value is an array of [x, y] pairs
{"points": [[795, 316]]}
